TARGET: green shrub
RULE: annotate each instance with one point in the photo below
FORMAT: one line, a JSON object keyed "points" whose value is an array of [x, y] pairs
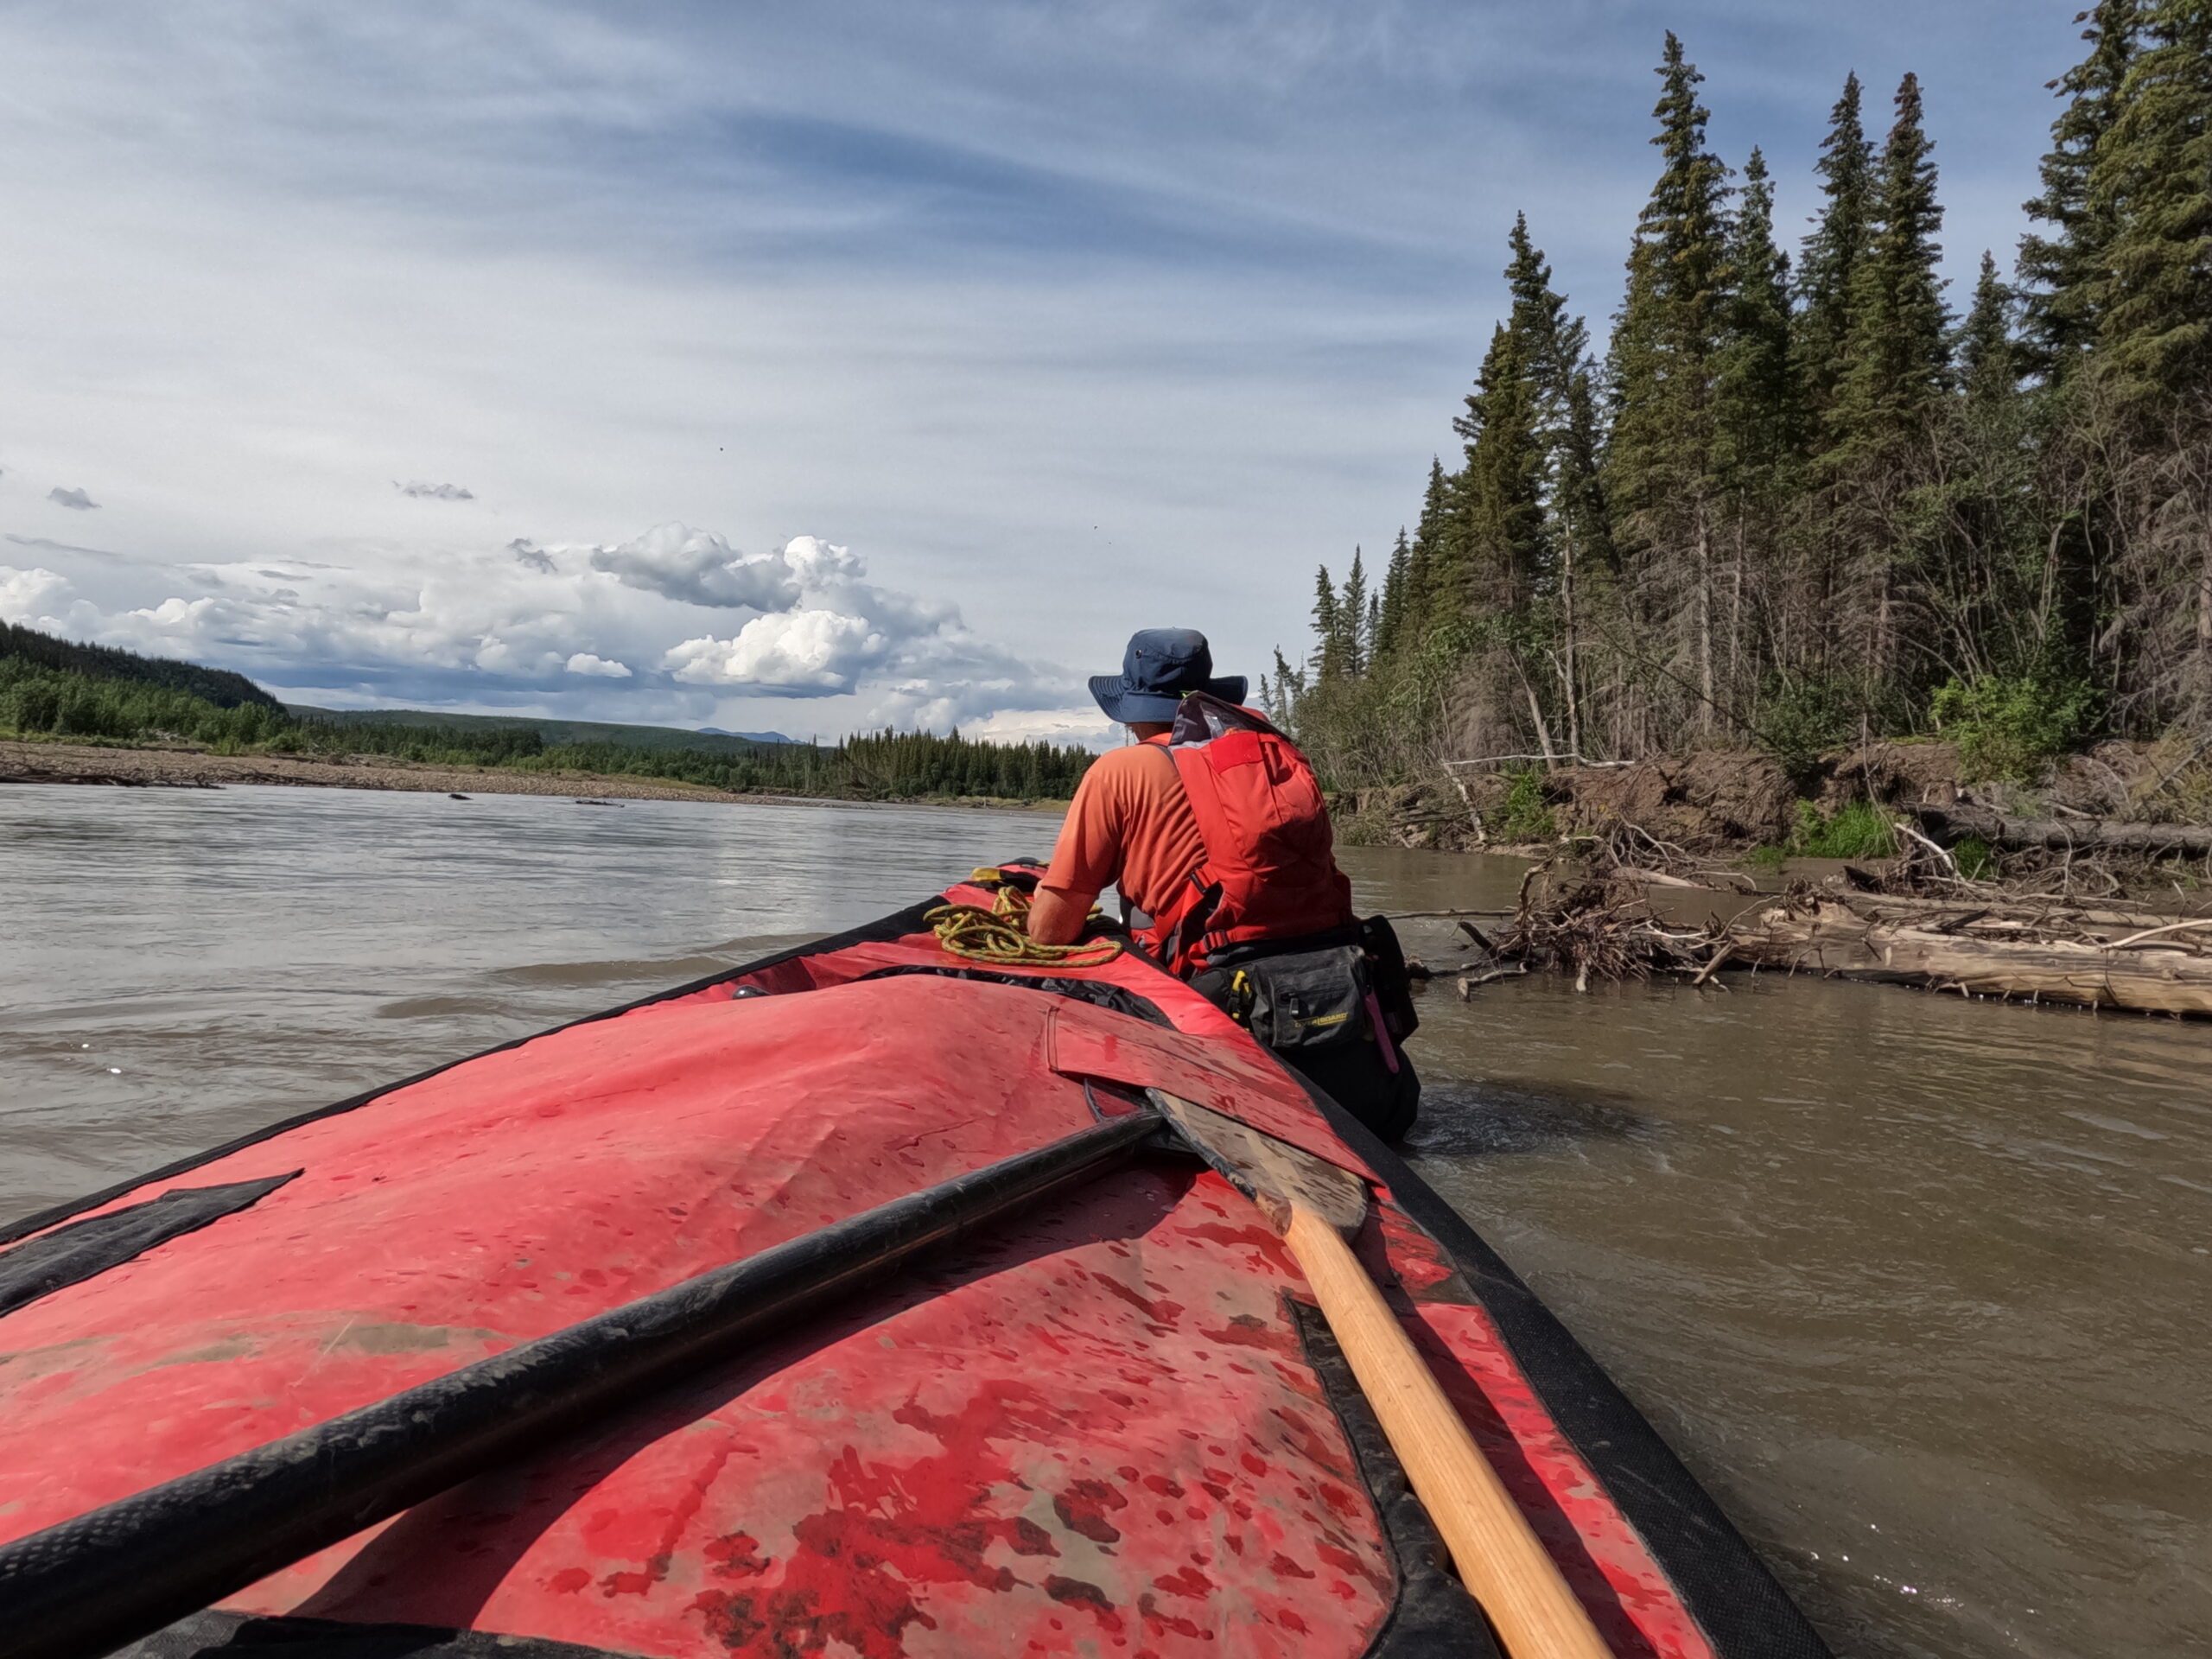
{"points": [[1860, 830], [1802, 719], [1525, 816], [2009, 727], [1975, 859]]}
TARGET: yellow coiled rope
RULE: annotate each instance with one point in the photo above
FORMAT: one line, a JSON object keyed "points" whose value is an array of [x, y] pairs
{"points": [[1000, 935]]}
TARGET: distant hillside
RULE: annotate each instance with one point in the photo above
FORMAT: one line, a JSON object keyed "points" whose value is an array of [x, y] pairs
{"points": [[556, 734], [216, 685]]}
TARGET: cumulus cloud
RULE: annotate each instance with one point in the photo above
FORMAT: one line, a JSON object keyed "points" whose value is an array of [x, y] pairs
{"points": [[423, 491], [544, 625], [75, 501], [25, 595], [792, 654], [698, 567]]}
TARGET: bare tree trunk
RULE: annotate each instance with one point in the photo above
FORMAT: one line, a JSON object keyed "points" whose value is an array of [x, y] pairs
{"points": [[1736, 606], [1567, 671], [1704, 620]]}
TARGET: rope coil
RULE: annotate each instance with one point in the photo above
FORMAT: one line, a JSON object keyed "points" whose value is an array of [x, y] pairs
{"points": [[1000, 936]]}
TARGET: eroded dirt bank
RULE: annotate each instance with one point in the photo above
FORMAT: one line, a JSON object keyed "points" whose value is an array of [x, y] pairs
{"points": [[1717, 803]]}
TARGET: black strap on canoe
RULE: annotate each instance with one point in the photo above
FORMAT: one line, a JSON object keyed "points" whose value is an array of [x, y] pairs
{"points": [[88, 1586]]}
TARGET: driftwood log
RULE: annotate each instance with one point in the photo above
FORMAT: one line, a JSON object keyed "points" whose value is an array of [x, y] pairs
{"points": [[1951, 825], [2163, 970], [1984, 942]]}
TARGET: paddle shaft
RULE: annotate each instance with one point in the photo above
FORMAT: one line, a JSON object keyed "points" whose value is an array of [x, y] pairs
{"points": [[1499, 1558], [87, 1585]]}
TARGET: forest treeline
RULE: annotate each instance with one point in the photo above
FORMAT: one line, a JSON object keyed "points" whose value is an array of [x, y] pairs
{"points": [[1801, 499], [218, 686], [143, 705]]}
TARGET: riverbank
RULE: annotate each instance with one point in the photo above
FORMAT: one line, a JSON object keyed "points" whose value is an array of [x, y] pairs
{"points": [[194, 768], [2119, 817]]}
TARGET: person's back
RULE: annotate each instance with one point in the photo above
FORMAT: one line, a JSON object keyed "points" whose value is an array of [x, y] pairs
{"points": [[1211, 825]]}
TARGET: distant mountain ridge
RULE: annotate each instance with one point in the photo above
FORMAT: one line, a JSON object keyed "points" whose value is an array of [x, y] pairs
{"points": [[217, 685], [555, 732]]}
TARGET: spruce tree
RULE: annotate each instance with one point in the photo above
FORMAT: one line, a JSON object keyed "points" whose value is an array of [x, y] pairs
{"points": [[1757, 406], [1351, 619], [1666, 348], [1502, 510], [2151, 181], [1988, 360], [1827, 272], [2059, 271], [1426, 600], [1390, 617], [1898, 359], [1328, 630]]}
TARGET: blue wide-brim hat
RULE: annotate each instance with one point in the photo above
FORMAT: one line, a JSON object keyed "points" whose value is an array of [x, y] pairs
{"points": [[1160, 669]]}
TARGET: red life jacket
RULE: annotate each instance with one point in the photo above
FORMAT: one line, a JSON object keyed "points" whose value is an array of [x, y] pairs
{"points": [[1270, 871]]}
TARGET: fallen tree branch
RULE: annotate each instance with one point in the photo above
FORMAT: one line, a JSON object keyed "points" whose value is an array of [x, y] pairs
{"points": [[1834, 937], [1957, 823]]}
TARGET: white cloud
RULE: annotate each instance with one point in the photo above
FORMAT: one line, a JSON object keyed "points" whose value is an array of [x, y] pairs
{"points": [[423, 491], [795, 654], [585, 662], [25, 595], [75, 501], [699, 567]]}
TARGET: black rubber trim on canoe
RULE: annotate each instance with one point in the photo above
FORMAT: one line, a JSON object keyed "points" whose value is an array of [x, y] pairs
{"points": [[1734, 1596], [1098, 993], [1432, 1616], [85, 1250], [117, 1573], [893, 926], [241, 1635]]}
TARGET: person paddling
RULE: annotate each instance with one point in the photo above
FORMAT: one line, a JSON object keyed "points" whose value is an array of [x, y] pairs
{"points": [[1212, 827]]}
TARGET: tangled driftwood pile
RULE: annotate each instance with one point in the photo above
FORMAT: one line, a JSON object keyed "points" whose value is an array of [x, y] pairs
{"points": [[1627, 908]]}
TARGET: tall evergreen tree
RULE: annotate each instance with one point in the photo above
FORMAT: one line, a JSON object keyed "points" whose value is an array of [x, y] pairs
{"points": [[1898, 359], [1896, 374], [1328, 630], [1666, 349], [2151, 183], [1756, 415], [1828, 271], [1557, 348], [1352, 619], [1501, 488], [1425, 586], [1390, 617], [1988, 358], [2059, 271], [1756, 390]]}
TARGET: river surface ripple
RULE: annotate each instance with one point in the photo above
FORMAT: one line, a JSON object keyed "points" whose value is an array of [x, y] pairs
{"points": [[1920, 1288]]}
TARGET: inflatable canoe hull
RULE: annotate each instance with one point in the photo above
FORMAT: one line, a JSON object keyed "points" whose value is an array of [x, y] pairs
{"points": [[1110, 1424]]}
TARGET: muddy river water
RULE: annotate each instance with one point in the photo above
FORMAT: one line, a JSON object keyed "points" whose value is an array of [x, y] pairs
{"points": [[1921, 1288]]}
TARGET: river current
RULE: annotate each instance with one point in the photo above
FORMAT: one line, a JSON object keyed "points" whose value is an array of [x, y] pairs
{"points": [[1920, 1288]]}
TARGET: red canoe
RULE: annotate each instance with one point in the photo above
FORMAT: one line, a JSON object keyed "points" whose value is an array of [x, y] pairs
{"points": [[1107, 1424]]}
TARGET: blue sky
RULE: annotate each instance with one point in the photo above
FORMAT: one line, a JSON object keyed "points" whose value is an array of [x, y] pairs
{"points": [[817, 367]]}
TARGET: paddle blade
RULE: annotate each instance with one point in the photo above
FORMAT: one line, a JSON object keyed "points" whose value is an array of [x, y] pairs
{"points": [[1273, 1175]]}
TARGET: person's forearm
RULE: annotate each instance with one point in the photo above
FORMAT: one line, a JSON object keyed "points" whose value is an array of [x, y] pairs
{"points": [[1057, 918]]}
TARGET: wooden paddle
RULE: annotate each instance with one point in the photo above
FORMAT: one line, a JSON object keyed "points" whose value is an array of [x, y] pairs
{"points": [[1315, 1205]]}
